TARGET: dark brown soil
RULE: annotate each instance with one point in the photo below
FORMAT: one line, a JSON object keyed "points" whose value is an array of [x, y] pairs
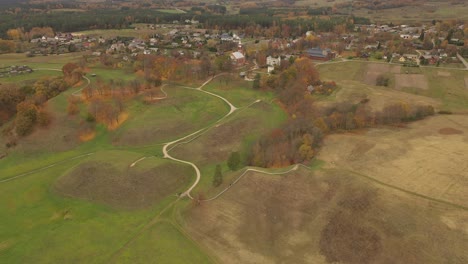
{"points": [[131, 189], [449, 131]]}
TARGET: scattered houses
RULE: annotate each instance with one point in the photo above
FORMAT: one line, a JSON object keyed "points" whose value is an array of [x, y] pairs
{"points": [[14, 70]]}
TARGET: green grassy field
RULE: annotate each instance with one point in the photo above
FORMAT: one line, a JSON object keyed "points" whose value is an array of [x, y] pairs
{"points": [[444, 85], [47, 216], [41, 226], [107, 208]]}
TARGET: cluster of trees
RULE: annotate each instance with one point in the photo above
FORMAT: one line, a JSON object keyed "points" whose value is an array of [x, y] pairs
{"points": [[324, 88], [299, 138], [7, 46], [27, 116], [378, 4], [104, 110], [233, 163], [157, 68], [26, 105], [72, 73], [10, 97], [42, 90], [105, 100]]}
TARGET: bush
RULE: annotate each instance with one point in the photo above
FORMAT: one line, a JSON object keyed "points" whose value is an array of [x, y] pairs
{"points": [[24, 125], [90, 118], [233, 161], [445, 112], [382, 80], [43, 118], [218, 176]]}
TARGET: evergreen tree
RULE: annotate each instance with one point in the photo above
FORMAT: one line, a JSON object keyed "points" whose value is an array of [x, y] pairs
{"points": [[233, 161], [421, 37], [218, 176], [256, 82]]}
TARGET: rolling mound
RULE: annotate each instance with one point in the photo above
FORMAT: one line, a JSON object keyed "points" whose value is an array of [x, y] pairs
{"points": [[132, 188]]}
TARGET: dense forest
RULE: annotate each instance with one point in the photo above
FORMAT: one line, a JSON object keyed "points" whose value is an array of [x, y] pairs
{"points": [[72, 21]]}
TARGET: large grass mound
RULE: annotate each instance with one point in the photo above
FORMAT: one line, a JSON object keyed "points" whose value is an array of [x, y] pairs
{"points": [[183, 112], [114, 182], [326, 217]]}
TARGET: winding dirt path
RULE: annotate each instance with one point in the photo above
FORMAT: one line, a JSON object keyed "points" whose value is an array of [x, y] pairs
{"points": [[167, 146], [74, 93], [295, 167]]}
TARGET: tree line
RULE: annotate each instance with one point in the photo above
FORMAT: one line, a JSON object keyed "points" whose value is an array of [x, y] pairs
{"points": [[300, 137]]}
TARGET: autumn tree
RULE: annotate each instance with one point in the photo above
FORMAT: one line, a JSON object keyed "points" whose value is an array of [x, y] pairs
{"points": [[25, 118], [15, 34], [73, 105], [306, 151], [7, 46], [72, 73], [43, 118], [10, 97]]}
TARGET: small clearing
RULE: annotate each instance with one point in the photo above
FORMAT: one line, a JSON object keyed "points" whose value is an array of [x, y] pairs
{"points": [[444, 74], [374, 70], [411, 81]]}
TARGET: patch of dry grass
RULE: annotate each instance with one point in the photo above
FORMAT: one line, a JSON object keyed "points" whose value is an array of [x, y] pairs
{"points": [[418, 158], [326, 217]]}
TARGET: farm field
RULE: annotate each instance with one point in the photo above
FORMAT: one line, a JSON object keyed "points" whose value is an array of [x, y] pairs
{"points": [[441, 87], [424, 12], [325, 216], [426, 157]]}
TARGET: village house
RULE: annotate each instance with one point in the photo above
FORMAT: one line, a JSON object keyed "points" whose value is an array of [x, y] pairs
{"points": [[320, 54], [272, 62], [237, 58]]}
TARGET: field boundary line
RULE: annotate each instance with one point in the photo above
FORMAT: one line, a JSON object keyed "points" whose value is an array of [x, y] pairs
{"points": [[429, 198], [44, 168]]}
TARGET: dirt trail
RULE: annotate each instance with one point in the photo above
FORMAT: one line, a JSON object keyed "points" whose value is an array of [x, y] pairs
{"points": [[167, 145]]}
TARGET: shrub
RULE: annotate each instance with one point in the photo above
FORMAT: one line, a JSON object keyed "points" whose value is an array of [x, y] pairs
{"points": [[382, 80]]}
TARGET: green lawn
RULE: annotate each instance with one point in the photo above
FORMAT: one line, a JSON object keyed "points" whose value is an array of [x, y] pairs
{"points": [[183, 112], [450, 90], [237, 91], [168, 244], [39, 225]]}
